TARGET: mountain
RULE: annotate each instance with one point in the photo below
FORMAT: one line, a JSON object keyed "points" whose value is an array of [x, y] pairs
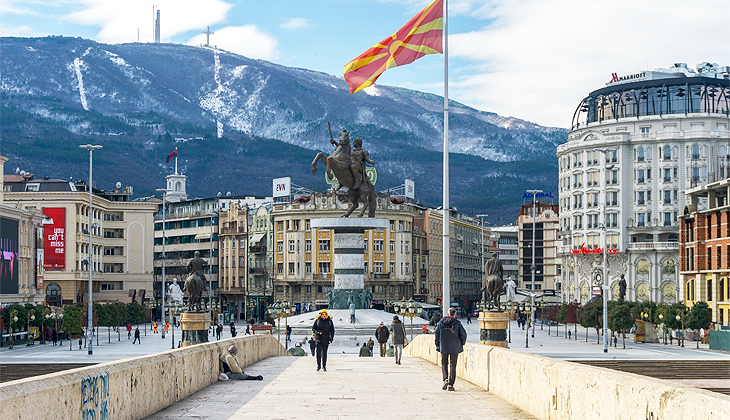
{"points": [[239, 122]]}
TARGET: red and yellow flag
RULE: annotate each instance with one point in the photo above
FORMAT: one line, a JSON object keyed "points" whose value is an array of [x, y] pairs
{"points": [[420, 36]]}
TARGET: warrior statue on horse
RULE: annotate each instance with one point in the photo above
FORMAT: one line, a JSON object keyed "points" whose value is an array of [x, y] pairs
{"points": [[492, 283], [348, 165], [195, 283]]}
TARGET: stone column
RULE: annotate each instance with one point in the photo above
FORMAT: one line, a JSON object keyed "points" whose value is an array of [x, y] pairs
{"points": [[348, 245]]}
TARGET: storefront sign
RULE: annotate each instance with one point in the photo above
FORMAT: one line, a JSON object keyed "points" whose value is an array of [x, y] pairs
{"points": [[539, 195], [615, 78], [583, 250]]}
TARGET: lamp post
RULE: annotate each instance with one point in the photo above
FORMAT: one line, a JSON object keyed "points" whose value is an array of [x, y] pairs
{"points": [[532, 266], [605, 252], [287, 312], [664, 328], [13, 319], [30, 317], [164, 192], [481, 250], [47, 316], [680, 318], [411, 310], [92, 226], [276, 311], [210, 272]]}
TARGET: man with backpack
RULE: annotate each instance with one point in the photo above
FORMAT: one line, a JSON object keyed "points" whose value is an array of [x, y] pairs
{"points": [[450, 340]]}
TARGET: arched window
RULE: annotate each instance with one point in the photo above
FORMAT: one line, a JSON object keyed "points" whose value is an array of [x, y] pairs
{"points": [[673, 237], [648, 153], [704, 151], [178, 186], [640, 154], [695, 152], [667, 153], [53, 294], [709, 290]]}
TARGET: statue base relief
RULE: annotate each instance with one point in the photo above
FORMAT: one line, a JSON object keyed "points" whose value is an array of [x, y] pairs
{"points": [[493, 328], [194, 326]]}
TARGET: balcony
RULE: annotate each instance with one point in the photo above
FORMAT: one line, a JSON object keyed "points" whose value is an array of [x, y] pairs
{"points": [[652, 246], [257, 249]]}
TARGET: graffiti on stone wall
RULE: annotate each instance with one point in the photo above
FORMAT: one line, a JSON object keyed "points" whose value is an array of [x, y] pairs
{"points": [[95, 397]]}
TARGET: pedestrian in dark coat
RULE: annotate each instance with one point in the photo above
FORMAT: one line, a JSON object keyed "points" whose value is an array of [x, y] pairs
{"points": [[136, 336], [382, 334], [324, 333], [312, 345], [399, 337], [450, 340], [54, 337]]}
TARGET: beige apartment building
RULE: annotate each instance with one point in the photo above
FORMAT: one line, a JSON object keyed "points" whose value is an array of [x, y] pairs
{"points": [[464, 256], [122, 238], [303, 256]]}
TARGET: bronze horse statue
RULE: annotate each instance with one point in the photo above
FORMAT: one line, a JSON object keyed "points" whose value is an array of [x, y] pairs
{"points": [[492, 283], [338, 163], [194, 287]]}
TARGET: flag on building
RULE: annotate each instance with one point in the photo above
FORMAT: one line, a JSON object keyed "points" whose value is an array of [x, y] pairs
{"points": [[172, 155], [420, 36]]}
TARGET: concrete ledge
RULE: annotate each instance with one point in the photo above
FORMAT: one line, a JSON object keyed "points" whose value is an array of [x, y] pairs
{"points": [[129, 388], [555, 389]]}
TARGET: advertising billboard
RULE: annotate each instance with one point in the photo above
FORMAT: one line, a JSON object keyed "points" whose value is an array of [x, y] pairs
{"points": [[54, 239], [8, 256], [410, 189], [282, 187]]}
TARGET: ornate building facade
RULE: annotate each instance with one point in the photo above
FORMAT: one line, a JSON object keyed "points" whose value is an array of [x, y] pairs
{"points": [[634, 147]]}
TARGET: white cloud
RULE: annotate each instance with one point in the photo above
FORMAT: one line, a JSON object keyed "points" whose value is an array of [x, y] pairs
{"points": [[537, 59], [249, 41], [19, 31], [120, 20], [294, 24]]}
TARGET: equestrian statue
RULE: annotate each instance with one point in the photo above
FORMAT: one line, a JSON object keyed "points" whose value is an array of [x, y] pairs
{"points": [[195, 283], [492, 282], [347, 164]]}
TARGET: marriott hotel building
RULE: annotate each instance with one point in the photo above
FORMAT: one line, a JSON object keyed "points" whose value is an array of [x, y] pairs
{"points": [[635, 146]]}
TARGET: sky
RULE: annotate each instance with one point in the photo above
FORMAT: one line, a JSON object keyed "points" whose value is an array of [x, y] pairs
{"points": [[529, 59]]}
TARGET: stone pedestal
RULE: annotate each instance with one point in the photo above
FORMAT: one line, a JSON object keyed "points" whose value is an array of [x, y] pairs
{"points": [[493, 328], [348, 245], [194, 326]]}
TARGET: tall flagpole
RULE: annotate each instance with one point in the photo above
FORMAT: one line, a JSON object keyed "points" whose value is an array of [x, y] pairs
{"points": [[176, 161], [446, 212]]}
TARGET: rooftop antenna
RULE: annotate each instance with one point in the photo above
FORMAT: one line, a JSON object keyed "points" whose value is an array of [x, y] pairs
{"points": [[207, 33]]}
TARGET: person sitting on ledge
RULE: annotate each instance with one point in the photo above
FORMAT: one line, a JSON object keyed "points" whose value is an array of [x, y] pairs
{"points": [[232, 369]]}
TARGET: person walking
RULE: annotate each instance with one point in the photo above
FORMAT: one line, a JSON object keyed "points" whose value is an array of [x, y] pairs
{"points": [[167, 326], [54, 337], [136, 336], [324, 332], [450, 340], [312, 344], [154, 326], [370, 344], [218, 331], [468, 318], [382, 334], [248, 329], [129, 331], [288, 333], [399, 337]]}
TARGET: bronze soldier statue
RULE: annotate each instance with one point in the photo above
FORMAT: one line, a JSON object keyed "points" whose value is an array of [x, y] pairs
{"points": [[358, 157], [195, 266]]}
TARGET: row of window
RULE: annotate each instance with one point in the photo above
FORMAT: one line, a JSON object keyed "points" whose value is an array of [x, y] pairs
{"points": [[295, 225]]}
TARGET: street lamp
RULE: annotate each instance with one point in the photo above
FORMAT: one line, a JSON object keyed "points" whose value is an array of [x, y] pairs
{"points": [[481, 250], [92, 226], [287, 312], [680, 318], [164, 192], [276, 310], [31, 317], [532, 266], [605, 251], [664, 328], [210, 271], [411, 310], [13, 320]]}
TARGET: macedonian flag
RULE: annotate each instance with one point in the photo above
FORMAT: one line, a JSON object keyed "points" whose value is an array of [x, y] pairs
{"points": [[420, 36]]}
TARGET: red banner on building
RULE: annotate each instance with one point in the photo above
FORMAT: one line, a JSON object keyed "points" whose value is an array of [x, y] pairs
{"points": [[54, 239]]}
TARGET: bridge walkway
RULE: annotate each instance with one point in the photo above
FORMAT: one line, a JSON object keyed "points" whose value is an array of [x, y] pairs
{"points": [[352, 388]]}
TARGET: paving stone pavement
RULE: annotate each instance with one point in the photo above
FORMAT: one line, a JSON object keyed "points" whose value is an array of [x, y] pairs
{"points": [[352, 388]]}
